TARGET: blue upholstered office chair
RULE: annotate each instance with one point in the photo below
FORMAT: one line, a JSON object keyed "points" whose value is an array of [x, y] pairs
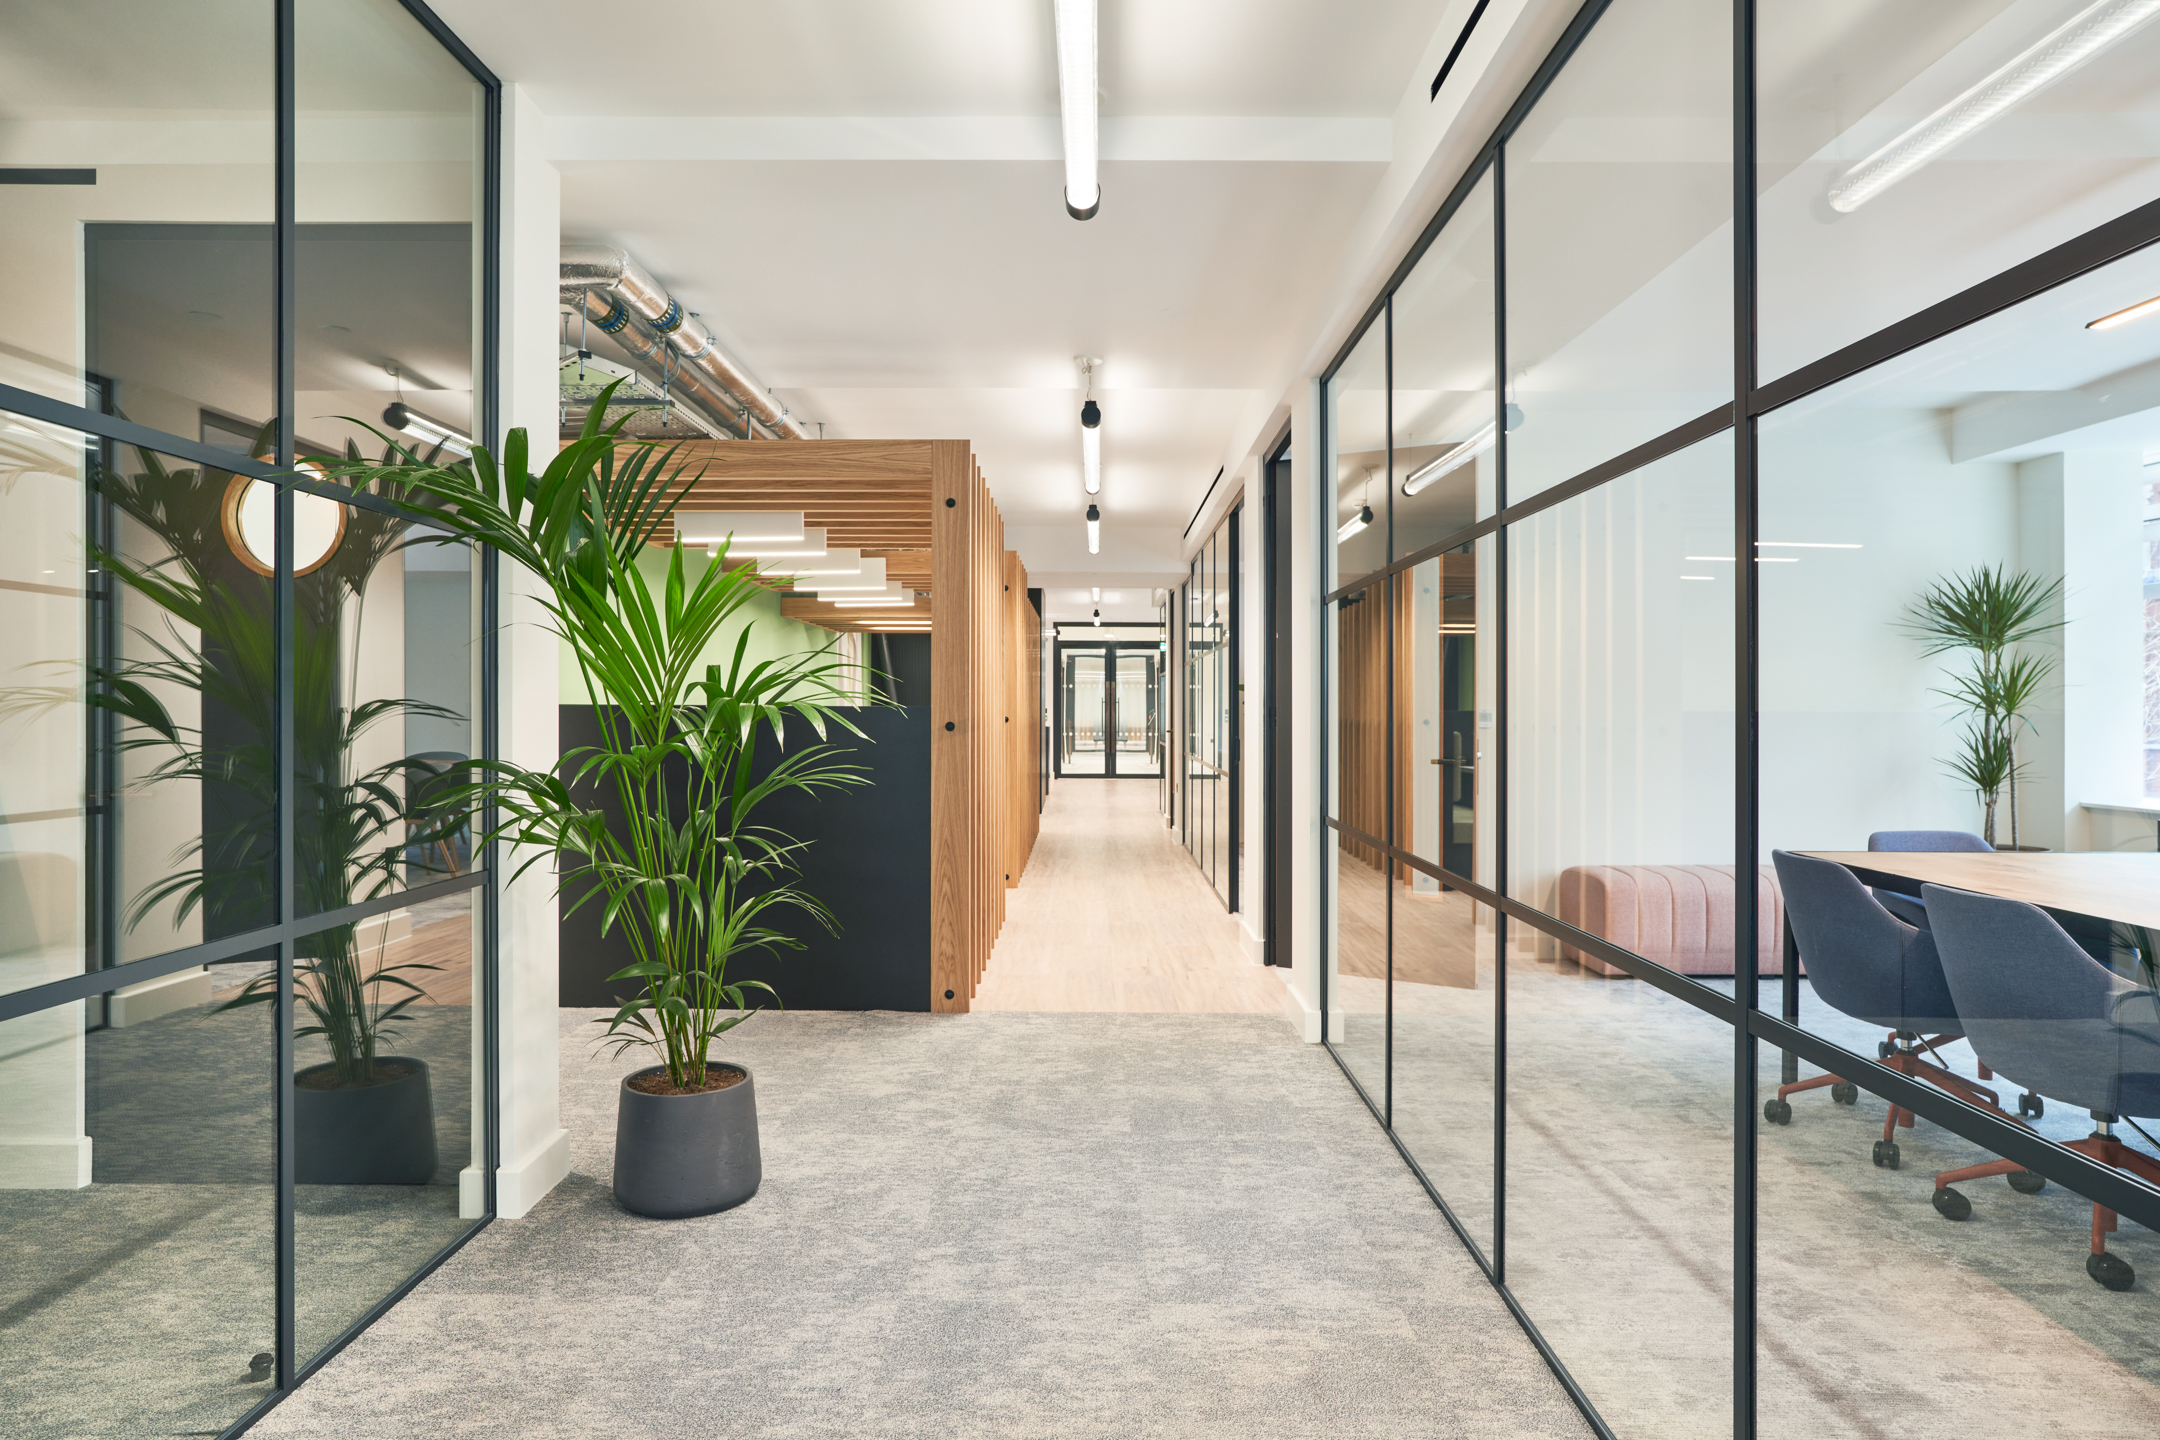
{"points": [[1908, 907], [2051, 1017], [1871, 965]]}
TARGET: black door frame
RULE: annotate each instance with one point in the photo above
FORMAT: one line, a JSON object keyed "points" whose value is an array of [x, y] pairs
{"points": [[1275, 848], [1109, 650]]}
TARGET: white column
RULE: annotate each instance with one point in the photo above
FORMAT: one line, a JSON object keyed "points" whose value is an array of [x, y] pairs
{"points": [[1299, 726], [2081, 519], [535, 1147]]}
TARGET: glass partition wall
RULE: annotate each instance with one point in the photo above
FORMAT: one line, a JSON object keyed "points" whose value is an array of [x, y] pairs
{"points": [[1738, 667], [245, 941], [1213, 708]]}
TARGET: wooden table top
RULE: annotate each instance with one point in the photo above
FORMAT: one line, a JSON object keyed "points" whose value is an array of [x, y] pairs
{"points": [[2108, 885]]}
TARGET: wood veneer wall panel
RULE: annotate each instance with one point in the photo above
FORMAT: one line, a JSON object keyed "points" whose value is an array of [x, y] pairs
{"points": [[954, 501], [1362, 718]]}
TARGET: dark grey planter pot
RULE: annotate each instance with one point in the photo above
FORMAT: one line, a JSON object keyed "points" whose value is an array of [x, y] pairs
{"points": [[378, 1135], [681, 1155]]}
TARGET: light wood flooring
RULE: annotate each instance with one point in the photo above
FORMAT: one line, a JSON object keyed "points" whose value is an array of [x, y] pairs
{"points": [[1112, 914]]}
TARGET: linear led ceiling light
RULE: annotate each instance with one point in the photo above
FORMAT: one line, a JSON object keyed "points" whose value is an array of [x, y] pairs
{"points": [[738, 527], [871, 577], [896, 595], [400, 416], [810, 547], [2077, 40], [1454, 459], [1095, 594], [834, 563], [1094, 519], [2123, 317], [1076, 104], [1090, 425]]}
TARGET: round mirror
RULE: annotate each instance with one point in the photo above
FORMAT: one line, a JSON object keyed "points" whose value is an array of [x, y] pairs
{"points": [[251, 525]]}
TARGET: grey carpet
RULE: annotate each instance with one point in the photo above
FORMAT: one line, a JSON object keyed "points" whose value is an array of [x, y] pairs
{"points": [[989, 1225], [132, 1307], [1873, 1308]]}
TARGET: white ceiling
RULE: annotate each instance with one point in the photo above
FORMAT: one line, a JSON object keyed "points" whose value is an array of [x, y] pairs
{"points": [[907, 269]]}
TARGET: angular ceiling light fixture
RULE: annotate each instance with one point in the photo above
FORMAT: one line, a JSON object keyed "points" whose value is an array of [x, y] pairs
{"points": [[2077, 40], [810, 547], [1451, 459], [1090, 425], [1094, 519], [898, 593], [835, 563], [1076, 105], [738, 527], [872, 577]]}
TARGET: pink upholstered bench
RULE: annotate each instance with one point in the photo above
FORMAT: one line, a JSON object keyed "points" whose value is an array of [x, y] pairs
{"points": [[1681, 916]]}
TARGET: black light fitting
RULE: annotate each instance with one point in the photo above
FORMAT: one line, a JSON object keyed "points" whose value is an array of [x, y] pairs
{"points": [[1091, 414]]}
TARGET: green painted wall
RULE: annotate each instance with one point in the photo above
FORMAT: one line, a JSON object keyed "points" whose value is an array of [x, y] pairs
{"points": [[771, 636]]}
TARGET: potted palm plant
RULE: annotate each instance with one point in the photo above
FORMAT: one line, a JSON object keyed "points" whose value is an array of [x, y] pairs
{"points": [[364, 1116], [1987, 615], [654, 825]]}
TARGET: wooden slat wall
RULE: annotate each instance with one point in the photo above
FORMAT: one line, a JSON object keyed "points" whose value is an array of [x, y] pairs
{"points": [[922, 506], [972, 772], [1363, 719]]}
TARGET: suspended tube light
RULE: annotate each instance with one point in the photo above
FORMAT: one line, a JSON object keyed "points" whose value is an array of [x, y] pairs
{"points": [[1453, 459], [2084, 35], [1354, 524], [1094, 524], [1090, 426], [402, 417], [1076, 105]]}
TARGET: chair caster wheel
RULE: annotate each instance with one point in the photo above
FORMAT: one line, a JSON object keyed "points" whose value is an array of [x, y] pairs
{"points": [[2031, 1106], [1884, 1049], [2109, 1271], [1845, 1093], [1777, 1112], [1886, 1154], [1951, 1205], [2027, 1182]]}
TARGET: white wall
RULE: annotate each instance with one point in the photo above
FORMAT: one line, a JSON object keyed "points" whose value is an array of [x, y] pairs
{"points": [[535, 1146]]}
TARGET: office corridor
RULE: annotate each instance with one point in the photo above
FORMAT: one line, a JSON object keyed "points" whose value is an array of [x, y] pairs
{"points": [[1112, 914], [1070, 1226]]}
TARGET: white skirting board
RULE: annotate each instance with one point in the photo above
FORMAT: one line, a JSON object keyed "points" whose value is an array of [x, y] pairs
{"points": [[520, 1186], [45, 1164], [140, 1004]]}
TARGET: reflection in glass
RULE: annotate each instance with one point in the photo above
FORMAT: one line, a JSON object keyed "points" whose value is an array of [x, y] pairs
{"points": [[1633, 145], [387, 192], [1908, 152], [1445, 455], [1620, 720], [1443, 669], [389, 1159], [139, 1206], [1619, 1240], [1359, 500], [149, 292], [1358, 962]]}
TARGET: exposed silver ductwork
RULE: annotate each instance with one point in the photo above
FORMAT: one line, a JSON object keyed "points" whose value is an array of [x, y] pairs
{"points": [[622, 298]]}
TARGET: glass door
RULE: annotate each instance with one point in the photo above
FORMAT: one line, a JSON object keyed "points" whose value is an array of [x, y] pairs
{"points": [[1135, 716], [1083, 711], [1110, 709]]}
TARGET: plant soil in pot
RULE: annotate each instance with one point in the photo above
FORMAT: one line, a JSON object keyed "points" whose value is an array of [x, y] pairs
{"points": [[373, 1133], [681, 1153]]}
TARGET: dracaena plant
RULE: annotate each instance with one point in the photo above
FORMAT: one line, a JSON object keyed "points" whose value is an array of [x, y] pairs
{"points": [[655, 825], [1988, 615], [358, 830]]}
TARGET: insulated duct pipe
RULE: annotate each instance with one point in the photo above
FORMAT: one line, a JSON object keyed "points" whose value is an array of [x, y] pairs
{"points": [[604, 270], [709, 407]]}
